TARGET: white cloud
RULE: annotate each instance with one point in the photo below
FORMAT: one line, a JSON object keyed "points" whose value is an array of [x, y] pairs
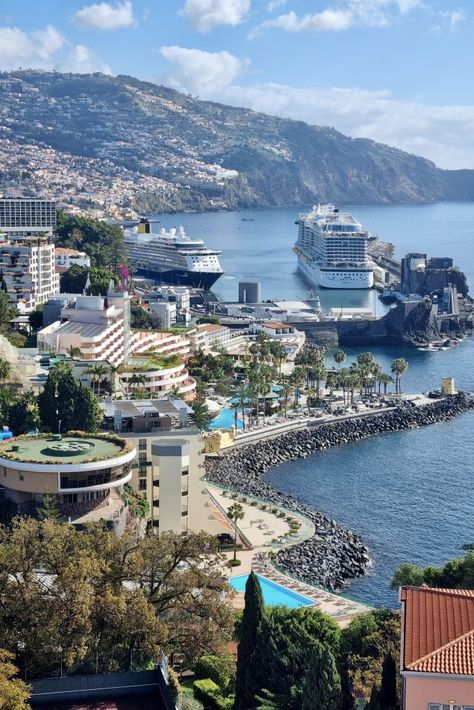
{"points": [[29, 49], [274, 4], [82, 60], [104, 16], [370, 13], [442, 133], [45, 49], [199, 72], [327, 20], [204, 15]]}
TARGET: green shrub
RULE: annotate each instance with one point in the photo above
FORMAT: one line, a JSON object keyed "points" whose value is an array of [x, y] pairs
{"points": [[253, 503], [234, 563], [173, 684], [207, 692], [220, 669]]}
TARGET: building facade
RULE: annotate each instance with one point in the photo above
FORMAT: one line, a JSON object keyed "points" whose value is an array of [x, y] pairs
{"points": [[169, 464], [65, 258], [437, 648], [28, 270], [85, 473], [23, 217]]}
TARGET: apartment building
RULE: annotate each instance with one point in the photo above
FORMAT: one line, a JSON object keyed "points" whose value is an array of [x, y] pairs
{"points": [[209, 336], [437, 648], [169, 464], [28, 269]]}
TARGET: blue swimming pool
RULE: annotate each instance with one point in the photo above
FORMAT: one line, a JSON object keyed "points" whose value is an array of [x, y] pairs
{"points": [[273, 593], [226, 419]]}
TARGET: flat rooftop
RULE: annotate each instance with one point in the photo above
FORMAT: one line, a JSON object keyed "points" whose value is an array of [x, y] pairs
{"points": [[49, 449]]}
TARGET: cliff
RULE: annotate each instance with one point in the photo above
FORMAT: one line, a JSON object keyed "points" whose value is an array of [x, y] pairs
{"points": [[155, 148]]}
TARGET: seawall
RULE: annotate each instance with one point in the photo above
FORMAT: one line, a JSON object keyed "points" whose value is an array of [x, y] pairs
{"points": [[334, 555]]}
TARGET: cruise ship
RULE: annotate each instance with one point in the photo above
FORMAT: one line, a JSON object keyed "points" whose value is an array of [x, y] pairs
{"points": [[332, 249], [170, 256]]}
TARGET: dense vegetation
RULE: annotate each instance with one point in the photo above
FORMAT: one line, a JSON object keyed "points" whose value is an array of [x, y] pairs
{"points": [[101, 241], [455, 574], [299, 659], [104, 603], [74, 280]]}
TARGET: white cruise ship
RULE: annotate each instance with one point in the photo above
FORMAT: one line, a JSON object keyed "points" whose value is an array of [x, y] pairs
{"points": [[171, 256], [332, 249]]}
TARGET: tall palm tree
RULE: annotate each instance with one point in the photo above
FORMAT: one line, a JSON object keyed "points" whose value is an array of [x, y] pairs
{"points": [[235, 513], [298, 377], [384, 379], [242, 397], [137, 380], [100, 372], [318, 373], [287, 389], [278, 353], [339, 357], [399, 367]]}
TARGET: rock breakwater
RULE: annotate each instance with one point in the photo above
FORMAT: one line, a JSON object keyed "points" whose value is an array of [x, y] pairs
{"points": [[333, 555]]}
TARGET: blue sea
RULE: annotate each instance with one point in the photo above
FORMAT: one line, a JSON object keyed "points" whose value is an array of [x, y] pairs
{"points": [[410, 494]]}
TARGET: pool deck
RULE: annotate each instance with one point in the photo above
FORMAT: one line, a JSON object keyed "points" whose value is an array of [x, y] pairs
{"points": [[260, 527]]}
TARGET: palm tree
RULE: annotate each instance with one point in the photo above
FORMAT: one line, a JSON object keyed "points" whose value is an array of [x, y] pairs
{"points": [[73, 352], [201, 415], [339, 357], [318, 373], [113, 372], [399, 367], [235, 512], [287, 389], [100, 371], [278, 353], [138, 379], [331, 381], [384, 379], [242, 397], [298, 376]]}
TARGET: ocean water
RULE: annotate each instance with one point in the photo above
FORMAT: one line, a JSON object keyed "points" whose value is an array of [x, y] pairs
{"points": [[409, 494]]}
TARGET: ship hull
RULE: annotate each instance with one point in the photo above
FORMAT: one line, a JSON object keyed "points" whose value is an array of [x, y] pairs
{"points": [[181, 277], [337, 278]]}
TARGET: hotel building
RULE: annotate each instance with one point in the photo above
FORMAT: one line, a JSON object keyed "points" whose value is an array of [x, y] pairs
{"points": [[86, 473], [28, 269], [23, 217]]}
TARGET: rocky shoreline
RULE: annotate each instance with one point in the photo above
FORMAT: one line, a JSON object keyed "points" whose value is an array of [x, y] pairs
{"points": [[333, 555]]}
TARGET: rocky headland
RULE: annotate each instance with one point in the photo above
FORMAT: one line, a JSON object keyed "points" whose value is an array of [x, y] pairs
{"points": [[333, 556]]}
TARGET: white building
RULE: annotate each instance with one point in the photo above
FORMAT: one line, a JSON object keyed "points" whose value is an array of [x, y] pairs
{"points": [[164, 313], [28, 269], [65, 258], [99, 327], [291, 338], [169, 465], [24, 217], [209, 336]]}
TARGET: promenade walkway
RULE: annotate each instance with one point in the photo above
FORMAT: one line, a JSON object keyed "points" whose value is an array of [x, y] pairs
{"points": [[263, 528]]}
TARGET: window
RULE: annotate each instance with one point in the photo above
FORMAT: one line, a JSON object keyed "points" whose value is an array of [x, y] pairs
{"points": [[142, 444], [142, 484]]}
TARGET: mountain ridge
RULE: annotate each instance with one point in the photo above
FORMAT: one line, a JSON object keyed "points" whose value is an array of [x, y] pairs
{"points": [[120, 141]]}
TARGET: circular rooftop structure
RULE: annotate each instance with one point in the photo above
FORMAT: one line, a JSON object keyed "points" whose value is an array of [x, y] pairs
{"points": [[65, 450]]}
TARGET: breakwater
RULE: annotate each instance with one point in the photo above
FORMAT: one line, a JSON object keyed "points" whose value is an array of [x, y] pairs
{"points": [[334, 555]]}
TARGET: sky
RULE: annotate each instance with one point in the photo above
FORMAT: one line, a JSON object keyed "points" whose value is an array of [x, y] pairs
{"points": [[395, 71]]}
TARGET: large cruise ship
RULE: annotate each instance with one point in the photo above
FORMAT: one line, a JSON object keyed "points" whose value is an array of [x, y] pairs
{"points": [[171, 256], [332, 249]]}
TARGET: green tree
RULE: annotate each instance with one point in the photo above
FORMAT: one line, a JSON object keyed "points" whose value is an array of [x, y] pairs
{"points": [[322, 683], [7, 311], [339, 356], [455, 574], [66, 404], [14, 693], [235, 513], [74, 280], [23, 415], [49, 507], [250, 678], [399, 367], [201, 416], [388, 687], [5, 369], [36, 319], [101, 241], [140, 318], [407, 574]]}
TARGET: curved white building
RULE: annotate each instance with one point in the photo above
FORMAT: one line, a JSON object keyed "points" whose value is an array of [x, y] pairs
{"points": [[86, 473]]}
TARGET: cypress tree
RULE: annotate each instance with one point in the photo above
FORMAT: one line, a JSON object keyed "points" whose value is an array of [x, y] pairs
{"points": [[388, 687], [250, 664], [322, 683], [374, 702]]}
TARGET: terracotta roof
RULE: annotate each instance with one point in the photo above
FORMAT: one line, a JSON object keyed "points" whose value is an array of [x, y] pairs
{"points": [[71, 252], [438, 630]]}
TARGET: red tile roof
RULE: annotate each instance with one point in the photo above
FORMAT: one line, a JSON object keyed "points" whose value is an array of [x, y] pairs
{"points": [[438, 634]]}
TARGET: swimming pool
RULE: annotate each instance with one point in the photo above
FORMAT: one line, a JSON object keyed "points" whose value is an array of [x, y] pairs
{"points": [[226, 419], [273, 593]]}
